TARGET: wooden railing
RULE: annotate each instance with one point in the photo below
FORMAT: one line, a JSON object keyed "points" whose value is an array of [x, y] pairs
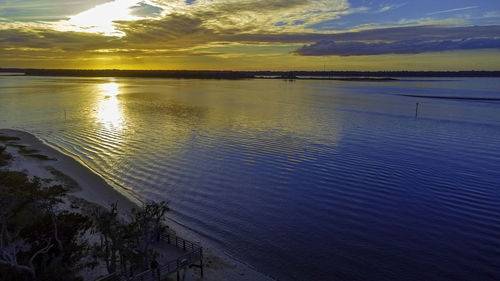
{"points": [[170, 267], [193, 254], [173, 239]]}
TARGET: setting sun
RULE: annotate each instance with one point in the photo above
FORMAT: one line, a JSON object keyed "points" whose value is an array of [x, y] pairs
{"points": [[101, 19]]}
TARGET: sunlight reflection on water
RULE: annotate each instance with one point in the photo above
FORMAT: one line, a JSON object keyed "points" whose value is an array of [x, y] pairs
{"points": [[109, 111]]}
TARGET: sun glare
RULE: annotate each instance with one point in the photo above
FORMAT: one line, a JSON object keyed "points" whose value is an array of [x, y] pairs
{"points": [[109, 109], [101, 18], [110, 89]]}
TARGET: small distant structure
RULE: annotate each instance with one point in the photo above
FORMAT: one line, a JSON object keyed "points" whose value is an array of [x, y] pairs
{"points": [[289, 76]]}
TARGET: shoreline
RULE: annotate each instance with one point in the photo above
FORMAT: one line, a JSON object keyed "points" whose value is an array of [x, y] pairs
{"points": [[44, 161], [91, 187], [245, 74]]}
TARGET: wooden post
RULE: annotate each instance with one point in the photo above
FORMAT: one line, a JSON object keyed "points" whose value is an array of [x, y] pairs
{"points": [[183, 244], [201, 262], [65, 115], [178, 277], [416, 110]]}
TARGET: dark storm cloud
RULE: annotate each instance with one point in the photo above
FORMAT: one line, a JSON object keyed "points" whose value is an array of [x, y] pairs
{"points": [[417, 33], [327, 47]]}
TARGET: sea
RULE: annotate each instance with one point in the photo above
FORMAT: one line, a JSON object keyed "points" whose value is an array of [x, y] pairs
{"points": [[300, 180]]}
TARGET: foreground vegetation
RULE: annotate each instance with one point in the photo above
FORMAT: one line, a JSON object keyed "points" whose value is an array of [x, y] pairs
{"points": [[41, 239]]}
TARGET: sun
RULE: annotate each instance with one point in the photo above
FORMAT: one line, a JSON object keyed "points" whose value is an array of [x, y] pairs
{"points": [[101, 18]]}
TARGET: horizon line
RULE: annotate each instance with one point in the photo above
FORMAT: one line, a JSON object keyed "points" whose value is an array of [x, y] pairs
{"points": [[227, 70]]}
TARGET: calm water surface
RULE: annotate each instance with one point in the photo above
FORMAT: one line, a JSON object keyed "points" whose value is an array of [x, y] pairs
{"points": [[312, 180]]}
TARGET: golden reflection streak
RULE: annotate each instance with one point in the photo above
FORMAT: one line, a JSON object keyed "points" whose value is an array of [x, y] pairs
{"points": [[109, 111]]}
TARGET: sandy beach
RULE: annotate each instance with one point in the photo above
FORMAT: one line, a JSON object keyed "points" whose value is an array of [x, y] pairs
{"points": [[34, 158]]}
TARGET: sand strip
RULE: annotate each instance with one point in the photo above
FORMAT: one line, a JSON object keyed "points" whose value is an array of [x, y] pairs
{"points": [[44, 161], [33, 157]]}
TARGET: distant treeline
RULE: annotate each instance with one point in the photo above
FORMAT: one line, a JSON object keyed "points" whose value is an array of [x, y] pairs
{"points": [[382, 73], [208, 74], [134, 73]]}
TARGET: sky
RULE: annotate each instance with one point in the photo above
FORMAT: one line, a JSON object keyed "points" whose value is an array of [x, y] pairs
{"points": [[251, 35]]}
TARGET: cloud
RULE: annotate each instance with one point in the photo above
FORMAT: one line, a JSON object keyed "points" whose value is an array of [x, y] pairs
{"points": [[453, 10], [327, 47], [404, 40], [142, 9], [179, 28], [203, 22], [417, 33], [54, 40], [181, 32], [255, 14], [194, 29], [32, 10]]}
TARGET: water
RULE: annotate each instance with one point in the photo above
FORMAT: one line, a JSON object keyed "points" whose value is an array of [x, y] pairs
{"points": [[311, 180]]}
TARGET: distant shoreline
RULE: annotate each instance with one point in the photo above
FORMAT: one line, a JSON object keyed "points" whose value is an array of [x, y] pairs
{"points": [[236, 75], [452, 98]]}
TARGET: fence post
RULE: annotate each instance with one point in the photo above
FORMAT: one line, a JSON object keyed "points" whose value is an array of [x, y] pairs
{"points": [[178, 277], [183, 244], [201, 262]]}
